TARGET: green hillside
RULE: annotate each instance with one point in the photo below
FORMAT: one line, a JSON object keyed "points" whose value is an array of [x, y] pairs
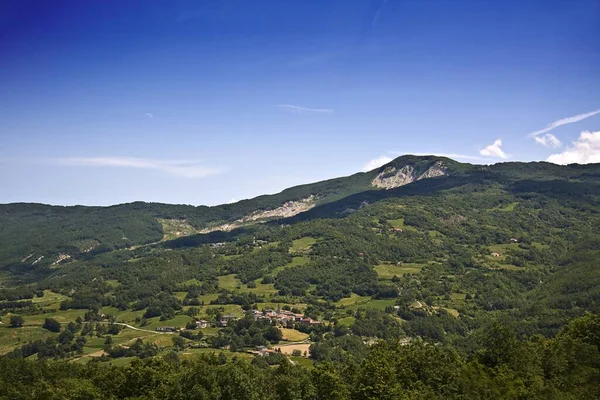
{"points": [[481, 257]]}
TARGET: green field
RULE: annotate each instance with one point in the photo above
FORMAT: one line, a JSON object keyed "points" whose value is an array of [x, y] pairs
{"points": [[177, 321], [303, 244], [229, 282], [12, 337], [397, 223], [352, 300], [376, 304], [207, 298], [296, 261], [387, 271], [507, 208], [292, 335], [346, 321], [49, 300], [265, 289]]}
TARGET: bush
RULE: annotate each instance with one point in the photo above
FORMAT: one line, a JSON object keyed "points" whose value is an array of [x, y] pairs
{"points": [[51, 324], [16, 321]]}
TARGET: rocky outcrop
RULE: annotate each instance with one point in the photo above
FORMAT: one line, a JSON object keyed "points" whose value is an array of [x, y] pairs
{"points": [[437, 169], [391, 177], [287, 209]]}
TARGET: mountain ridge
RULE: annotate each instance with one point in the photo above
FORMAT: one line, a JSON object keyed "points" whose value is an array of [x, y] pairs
{"points": [[31, 227]]}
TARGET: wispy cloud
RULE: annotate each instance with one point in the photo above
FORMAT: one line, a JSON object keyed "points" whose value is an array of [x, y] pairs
{"points": [[183, 168], [149, 115], [304, 110], [377, 13], [548, 140], [542, 137], [494, 150], [376, 163], [585, 150]]}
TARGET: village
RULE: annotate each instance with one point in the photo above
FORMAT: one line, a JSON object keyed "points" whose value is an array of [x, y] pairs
{"points": [[279, 317]]}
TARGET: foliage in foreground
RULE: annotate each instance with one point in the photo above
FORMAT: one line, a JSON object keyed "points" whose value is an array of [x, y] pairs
{"points": [[501, 367]]}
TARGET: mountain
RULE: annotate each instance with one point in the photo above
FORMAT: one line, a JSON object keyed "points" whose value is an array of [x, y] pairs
{"points": [[35, 230], [42, 234], [497, 265]]}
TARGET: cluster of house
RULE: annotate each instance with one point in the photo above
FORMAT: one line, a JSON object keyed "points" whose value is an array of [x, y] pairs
{"points": [[283, 317], [278, 317]]}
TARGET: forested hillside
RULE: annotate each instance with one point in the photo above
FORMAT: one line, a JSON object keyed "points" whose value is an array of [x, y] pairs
{"points": [[460, 281]]}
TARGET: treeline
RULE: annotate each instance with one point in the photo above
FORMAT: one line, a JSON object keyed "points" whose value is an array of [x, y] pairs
{"points": [[500, 367]]}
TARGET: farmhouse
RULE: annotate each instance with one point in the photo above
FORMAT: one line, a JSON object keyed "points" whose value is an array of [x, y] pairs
{"points": [[495, 254], [202, 324], [166, 329], [225, 319]]}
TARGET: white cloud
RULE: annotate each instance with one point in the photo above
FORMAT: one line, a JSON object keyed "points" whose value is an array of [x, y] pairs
{"points": [[494, 150], [184, 168], [585, 150], [149, 115], [304, 110], [564, 121], [548, 140], [376, 163]]}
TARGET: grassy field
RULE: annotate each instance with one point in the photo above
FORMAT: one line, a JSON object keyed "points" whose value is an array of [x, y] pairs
{"points": [[289, 348], [396, 223], [13, 337], [228, 309], [450, 311], [229, 282], [507, 208], [50, 300], [62, 316], [180, 295], [502, 247], [207, 298], [387, 271], [265, 289], [353, 299], [178, 321], [303, 244], [292, 335], [304, 361], [113, 283], [376, 304], [347, 321], [296, 261]]}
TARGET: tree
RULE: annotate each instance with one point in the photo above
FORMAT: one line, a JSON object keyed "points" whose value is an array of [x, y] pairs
{"points": [[273, 334], [178, 342], [16, 321], [51, 324], [113, 329], [191, 325]]}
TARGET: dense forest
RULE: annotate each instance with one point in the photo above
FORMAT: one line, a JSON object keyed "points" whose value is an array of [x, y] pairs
{"points": [[480, 283]]}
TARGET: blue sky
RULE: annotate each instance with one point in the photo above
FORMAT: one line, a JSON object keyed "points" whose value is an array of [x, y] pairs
{"points": [[204, 102]]}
